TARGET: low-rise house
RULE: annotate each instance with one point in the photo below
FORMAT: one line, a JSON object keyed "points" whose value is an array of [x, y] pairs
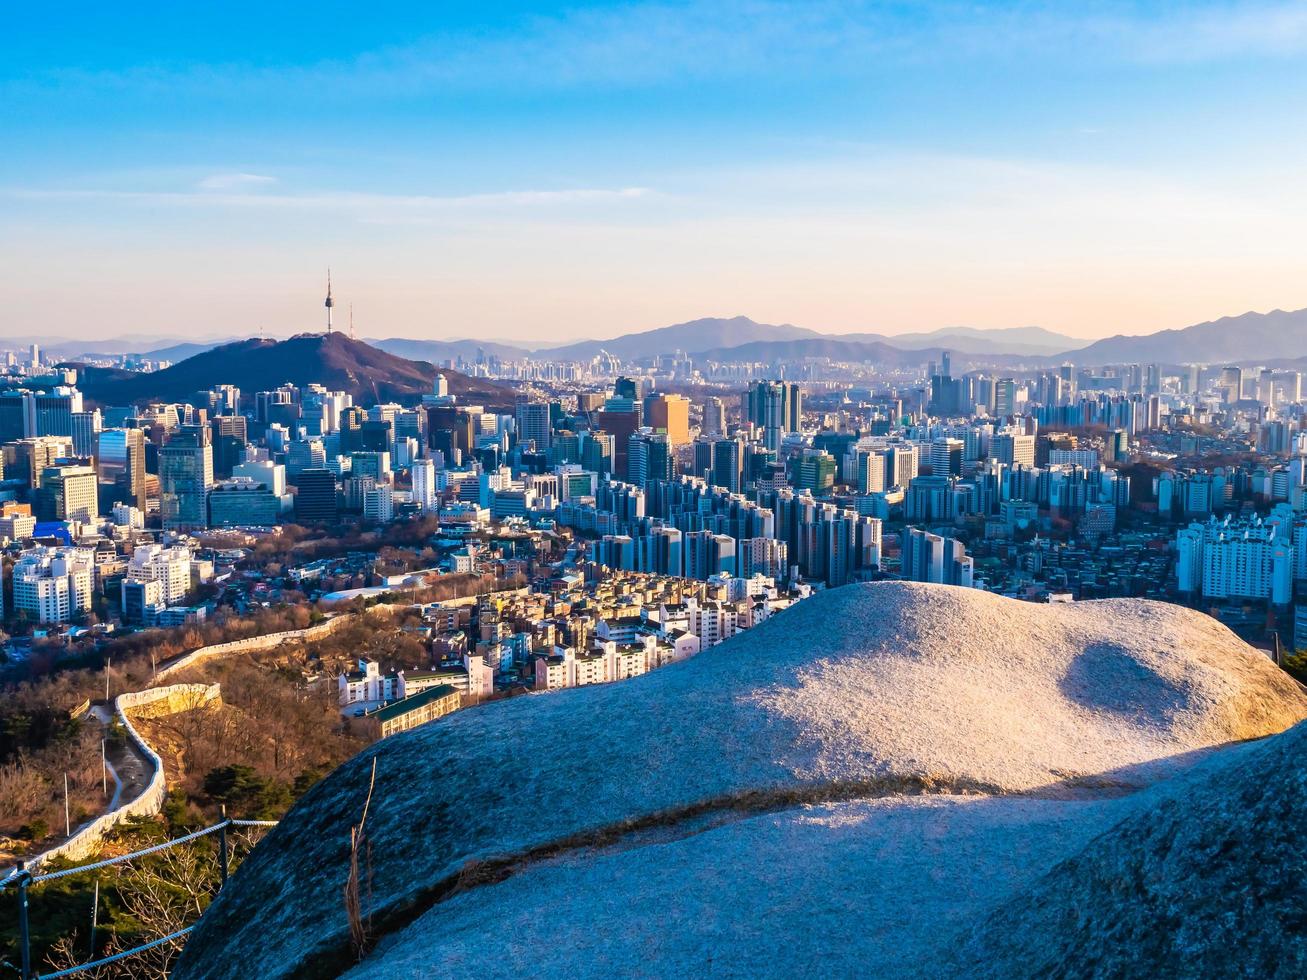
{"points": [[609, 661], [409, 712], [367, 683], [473, 677]]}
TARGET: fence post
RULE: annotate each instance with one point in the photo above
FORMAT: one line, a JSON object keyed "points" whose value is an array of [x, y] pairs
{"points": [[222, 843], [24, 933]]}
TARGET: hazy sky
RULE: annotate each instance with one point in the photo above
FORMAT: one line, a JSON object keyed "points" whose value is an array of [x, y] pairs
{"points": [[531, 170]]}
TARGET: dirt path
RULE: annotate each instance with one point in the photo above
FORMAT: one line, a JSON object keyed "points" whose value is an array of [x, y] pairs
{"points": [[130, 765]]}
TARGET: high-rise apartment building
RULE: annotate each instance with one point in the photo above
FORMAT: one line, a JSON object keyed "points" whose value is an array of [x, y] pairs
{"points": [[708, 554], [930, 558], [54, 585], [727, 464], [714, 417], [776, 407], [423, 474], [171, 567], [1251, 559]]}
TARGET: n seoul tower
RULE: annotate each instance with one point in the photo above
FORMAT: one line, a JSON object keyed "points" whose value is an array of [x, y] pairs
{"points": [[328, 304]]}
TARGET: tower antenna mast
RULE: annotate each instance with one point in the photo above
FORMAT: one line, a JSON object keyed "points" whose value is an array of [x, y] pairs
{"points": [[329, 303]]}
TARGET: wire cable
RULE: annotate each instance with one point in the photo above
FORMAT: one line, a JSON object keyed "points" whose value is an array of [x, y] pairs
{"points": [[96, 964]]}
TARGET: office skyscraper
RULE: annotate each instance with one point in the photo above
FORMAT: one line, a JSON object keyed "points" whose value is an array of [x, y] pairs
{"points": [[670, 414], [316, 498], [120, 456], [230, 436], [85, 432], [649, 458], [1013, 450], [533, 424], [1231, 383], [946, 457], [28, 458], [185, 477], [69, 492], [51, 412], [1005, 397]]}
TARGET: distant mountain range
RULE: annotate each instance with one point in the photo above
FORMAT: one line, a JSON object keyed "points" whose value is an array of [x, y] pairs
{"points": [[257, 364], [1248, 338], [695, 337], [972, 340], [1251, 338], [835, 348], [65, 348], [183, 350], [447, 350], [715, 336]]}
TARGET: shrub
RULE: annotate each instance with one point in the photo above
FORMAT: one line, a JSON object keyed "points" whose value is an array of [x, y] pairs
{"points": [[34, 830], [246, 792]]}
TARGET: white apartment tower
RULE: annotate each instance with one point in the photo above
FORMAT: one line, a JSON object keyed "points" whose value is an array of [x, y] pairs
{"points": [[423, 473]]}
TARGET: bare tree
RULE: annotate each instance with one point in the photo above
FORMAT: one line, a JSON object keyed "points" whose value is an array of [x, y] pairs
{"points": [[360, 932], [67, 953]]}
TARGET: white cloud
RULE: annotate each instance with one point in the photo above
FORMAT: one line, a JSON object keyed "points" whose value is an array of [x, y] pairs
{"points": [[235, 182], [225, 192]]}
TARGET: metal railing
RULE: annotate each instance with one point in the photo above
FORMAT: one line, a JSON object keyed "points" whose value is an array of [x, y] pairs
{"points": [[24, 879]]}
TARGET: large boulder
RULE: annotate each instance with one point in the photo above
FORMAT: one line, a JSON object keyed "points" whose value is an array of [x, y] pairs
{"points": [[1209, 880], [861, 700]]}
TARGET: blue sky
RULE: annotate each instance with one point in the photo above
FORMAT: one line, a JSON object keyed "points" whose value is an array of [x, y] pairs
{"points": [[529, 170]]}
